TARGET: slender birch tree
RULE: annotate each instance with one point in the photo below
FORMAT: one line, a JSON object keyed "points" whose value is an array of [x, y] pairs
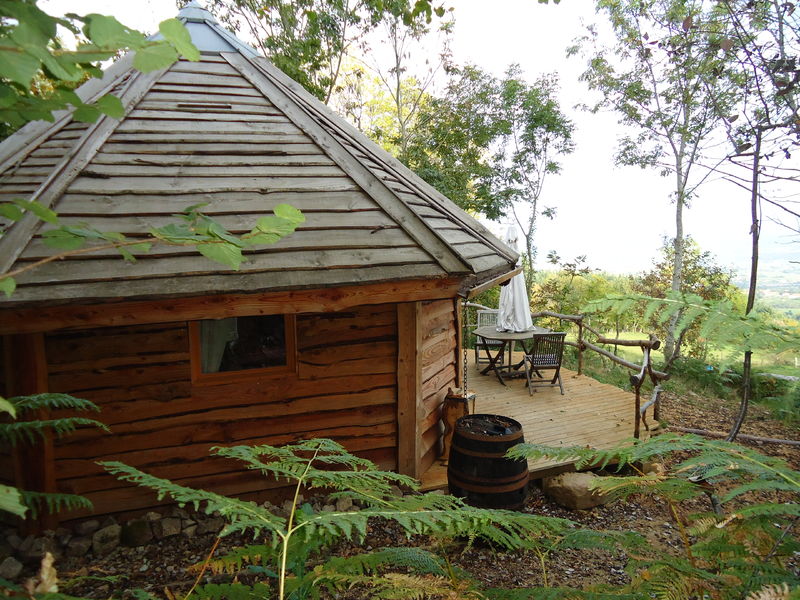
{"points": [[667, 83]]}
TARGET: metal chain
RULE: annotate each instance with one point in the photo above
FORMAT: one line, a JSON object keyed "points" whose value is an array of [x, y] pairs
{"points": [[464, 344]]}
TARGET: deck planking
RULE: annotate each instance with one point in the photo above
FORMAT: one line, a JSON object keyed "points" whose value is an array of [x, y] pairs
{"points": [[589, 413]]}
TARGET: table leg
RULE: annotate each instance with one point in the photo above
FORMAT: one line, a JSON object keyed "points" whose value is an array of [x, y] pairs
{"points": [[493, 361]]}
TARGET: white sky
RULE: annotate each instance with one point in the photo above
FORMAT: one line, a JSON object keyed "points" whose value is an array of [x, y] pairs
{"points": [[616, 216]]}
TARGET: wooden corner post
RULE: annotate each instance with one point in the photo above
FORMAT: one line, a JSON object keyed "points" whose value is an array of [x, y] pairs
{"points": [[409, 388], [34, 466]]}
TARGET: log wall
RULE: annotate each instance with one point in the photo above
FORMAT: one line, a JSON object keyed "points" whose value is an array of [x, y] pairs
{"points": [[438, 322], [344, 388]]}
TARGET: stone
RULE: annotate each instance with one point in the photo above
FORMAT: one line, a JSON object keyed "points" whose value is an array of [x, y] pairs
{"points": [[35, 551], [328, 508], [344, 504], [136, 533], [396, 491], [153, 516], [10, 568], [87, 528], [166, 527], [78, 546], [654, 467], [179, 512], [210, 525], [108, 522], [190, 531], [5, 549], [106, 540], [13, 540], [573, 490], [26, 544], [63, 535]]}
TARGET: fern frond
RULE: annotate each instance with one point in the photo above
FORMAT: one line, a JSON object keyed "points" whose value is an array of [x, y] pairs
{"points": [[52, 503], [17, 431], [771, 592], [238, 558], [240, 514], [609, 540], [231, 591], [418, 560], [623, 487], [557, 593], [51, 401]]}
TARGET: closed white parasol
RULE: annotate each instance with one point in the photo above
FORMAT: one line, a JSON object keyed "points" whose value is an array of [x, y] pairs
{"points": [[514, 312]]}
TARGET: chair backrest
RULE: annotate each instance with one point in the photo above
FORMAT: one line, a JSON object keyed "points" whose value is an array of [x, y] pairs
{"points": [[548, 350], [487, 317]]}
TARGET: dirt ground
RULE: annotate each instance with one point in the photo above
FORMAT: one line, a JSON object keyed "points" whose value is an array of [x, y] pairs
{"points": [[164, 565]]}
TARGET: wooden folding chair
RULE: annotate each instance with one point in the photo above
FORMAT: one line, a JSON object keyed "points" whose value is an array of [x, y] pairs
{"points": [[545, 355]]}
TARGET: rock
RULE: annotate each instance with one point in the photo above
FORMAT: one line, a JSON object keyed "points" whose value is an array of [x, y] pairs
{"points": [[210, 525], [63, 535], [653, 467], [10, 568], [13, 540], [136, 533], [35, 551], [190, 531], [166, 527], [328, 508], [78, 546], [26, 544], [87, 528], [5, 549], [344, 504], [396, 491], [108, 522], [105, 540], [572, 490], [153, 516]]}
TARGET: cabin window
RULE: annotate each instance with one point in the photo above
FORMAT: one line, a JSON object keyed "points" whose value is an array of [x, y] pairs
{"points": [[259, 344]]}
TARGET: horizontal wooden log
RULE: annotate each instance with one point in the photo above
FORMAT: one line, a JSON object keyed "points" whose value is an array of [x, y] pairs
{"points": [[172, 436], [184, 266], [158, 96], [200, 137], [203, 67], [258, 147], [167, 127], [205, 109], [74, 382], [621, 361], [166, 185], [111, 362], [123, 313], [271, 397], [109, 172], [435, 365], [313, 158], [203, 79], [355, 366], [67, 349], [203, 90]]}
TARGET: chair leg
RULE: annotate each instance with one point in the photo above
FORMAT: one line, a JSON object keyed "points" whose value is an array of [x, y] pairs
{"points": [[528, 369]]}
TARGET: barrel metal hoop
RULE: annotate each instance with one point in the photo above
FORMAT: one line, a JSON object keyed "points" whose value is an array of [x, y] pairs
{"points": [[511, 487]]}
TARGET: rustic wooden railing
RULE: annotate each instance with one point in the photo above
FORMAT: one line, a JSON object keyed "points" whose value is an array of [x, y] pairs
{"points": [[642, 371]]}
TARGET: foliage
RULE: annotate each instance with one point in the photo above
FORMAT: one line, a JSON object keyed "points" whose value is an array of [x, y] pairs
{"points": [[310, 40], [32, 52], [702, 276], [16, 431], [719, 322], [289, 543], [726, 555]]}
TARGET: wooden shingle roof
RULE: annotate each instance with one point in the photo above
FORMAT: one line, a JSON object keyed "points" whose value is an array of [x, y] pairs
{"points": [[234, 132]]}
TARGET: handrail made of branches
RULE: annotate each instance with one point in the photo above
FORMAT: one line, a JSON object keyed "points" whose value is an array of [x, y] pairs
{"points": [[643, 371]]}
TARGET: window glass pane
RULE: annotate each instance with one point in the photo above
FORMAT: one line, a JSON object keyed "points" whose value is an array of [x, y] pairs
{"points": [[242, 343]]}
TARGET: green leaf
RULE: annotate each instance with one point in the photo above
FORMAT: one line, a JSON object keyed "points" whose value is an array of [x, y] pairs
{"points": [[176, 34], [107, 32], [11, 501], [8, 285], [157, 56], [44, 213], [62, 239], [86, 113], [10, 211], [8, 407], [111, 106], [275, 225], [227, 254], [18, 66], [290, 213]]}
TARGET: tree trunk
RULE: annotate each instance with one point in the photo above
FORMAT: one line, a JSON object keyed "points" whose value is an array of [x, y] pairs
{"points": [[670, 349], [755, 230]]}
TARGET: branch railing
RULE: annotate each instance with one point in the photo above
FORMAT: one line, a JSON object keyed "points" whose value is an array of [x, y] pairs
{"points": [[643, 371]]}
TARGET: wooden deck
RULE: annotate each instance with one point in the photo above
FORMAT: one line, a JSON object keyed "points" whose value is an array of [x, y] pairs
{"points": [[589, 413]]}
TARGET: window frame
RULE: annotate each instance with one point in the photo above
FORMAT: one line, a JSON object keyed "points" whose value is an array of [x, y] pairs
{"points": [[196, 364]]}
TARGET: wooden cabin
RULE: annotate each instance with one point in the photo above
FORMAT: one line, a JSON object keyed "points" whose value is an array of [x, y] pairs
{"points": [[346, 329]]}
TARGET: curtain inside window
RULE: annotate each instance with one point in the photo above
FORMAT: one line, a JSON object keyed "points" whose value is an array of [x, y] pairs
{"points": [[214, 338]]}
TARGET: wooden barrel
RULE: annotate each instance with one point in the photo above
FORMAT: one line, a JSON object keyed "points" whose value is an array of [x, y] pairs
{"points": [[477, 470]]}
